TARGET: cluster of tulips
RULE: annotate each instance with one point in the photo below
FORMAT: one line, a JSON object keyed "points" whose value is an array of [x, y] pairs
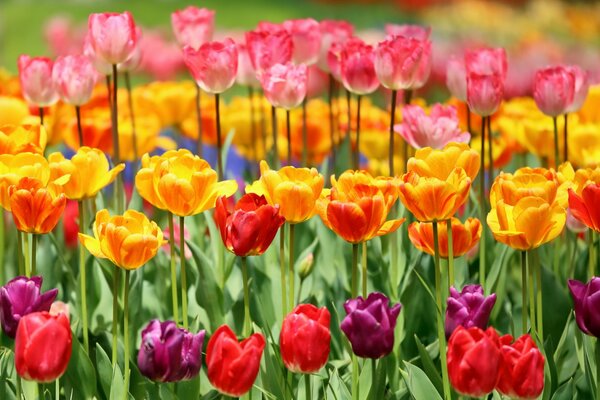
{"points": [[523, 210]]}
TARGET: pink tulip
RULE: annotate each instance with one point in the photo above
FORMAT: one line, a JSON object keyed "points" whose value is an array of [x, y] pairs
{"points": [[113, 36], [74, 78], [484, 93], [409, 31], [332, 31], [402, 62], [268, 48], [35, 75], [99, 64], [334, 57], [358, 67], [554, 90], [582, 85], [214, 65], [246, 75], [306, 37], [285, 85], [487, 61], [62, 36], [456, 78], [435, 130], [170, 62], [136, 56], [317, 82], [268, 26], [193, 26]]}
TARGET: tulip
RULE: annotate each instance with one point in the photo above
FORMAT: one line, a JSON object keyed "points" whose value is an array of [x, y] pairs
{"points": [[15, 139], [74, 79], [193, 26], [246, 75], [214, 65], [70, 224], [554, 90], [305, 339], [129, 241], [440, 163], [408, 31], [469, 308], [306, 39], [88, 169], [36, 357], [435, 130], [103, 67], [474, 360], [456, 78], [22, 296], [585, 299], [267, 48], [15, 167], [484, 92], [581, 87], [35, 76], [332, 31], [464, 236], [168, 353], [369, 325], [584, 206], [334, 57], [358, 67], [233, 366], [285, 85], [249, 228], [36, 208], [112, 36], [522, 371], [537, 182], [487, 61], [403, 62]]}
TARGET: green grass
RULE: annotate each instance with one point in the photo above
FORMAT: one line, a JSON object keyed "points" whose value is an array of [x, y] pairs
{"points": [[22, 21]]}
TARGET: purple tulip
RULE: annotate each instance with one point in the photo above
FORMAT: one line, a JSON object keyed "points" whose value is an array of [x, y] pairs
{"points": [[369, 325], [22, 296], [468, 308], [587, 305], [169, 353]]}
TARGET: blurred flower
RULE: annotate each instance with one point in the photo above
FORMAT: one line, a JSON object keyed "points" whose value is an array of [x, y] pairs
{"points": [[456, 78], [522, 371], [407, 30], [112, 36], [332, 31], [37, 358], [403, 62], [59, 307], [22, 139], [176, 238], [584, 144], [193, 26], [334, 59], [168, 353], [236, 117], [249, 228], [318, 82], [305, 339], [584, 206], [170, 62], [214, 65], [284, 85], [15, 167], [74, 78], [22, 296], [246, 75], [36, 208], [296, 190], [267, 48], [14, 110], [172, 102], [369, 325], [129, 240], [306, 39], [486, 61], [464, 236], [357, 64], [581, 87], [469, 308], [233, 366], [71, 224], [554, 90], [35, 75], [589, 109], [585, 300], [486, 73]]}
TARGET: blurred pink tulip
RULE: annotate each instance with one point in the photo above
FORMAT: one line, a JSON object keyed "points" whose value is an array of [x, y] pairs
{"points": [[284, 85], [35, 75], [100, 64], [358, 67], [582, 86], [332, 31], [317, 82], [554, 90], [334, 56], [176, 237], [267, 48], [62, 36], [306, 38], [246, 75], [113, 36], [487, 61], [193, 26], [74, 78], [409, 31], [403, 62], [456, 78], [484, 93], [170, 62], [435, 130], [214, 65]]}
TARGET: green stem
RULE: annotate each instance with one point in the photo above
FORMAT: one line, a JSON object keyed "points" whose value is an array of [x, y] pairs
{"points": [[355, 387], [305, 134], [524, 290], [349, 124], [83, 279], [184, 288], [540, 318], [126, 333], [531, 294], [220, 170], [357, 151], [440, 316], [291, 271], [79, 129], [199, 145], [364, 269], [288, 130], [20, 256], [405, 146], [34, 240], [19, 388], [173, 268], [119, 194], [392, 134], [41, 112], [374, 383], [26, 252], [490, 150], [566, 142], [308, 395], [116, 284], [354, 270], [556, 159], [247, 329], [450, 254], [482, 206], [591, 255], [57, 389], [283, 272], [275, 137]]}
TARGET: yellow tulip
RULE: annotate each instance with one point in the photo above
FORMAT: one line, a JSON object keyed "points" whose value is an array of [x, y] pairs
{"points": [[17, 166], [429, 162], [22, 138], [236, 117], [584, 144], [173, 102], [14, 110], [537, 182], [589, 111]]}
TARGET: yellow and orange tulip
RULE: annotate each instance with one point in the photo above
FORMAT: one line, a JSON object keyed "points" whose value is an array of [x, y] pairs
{"points": [[16, 139], [36, 208], [13, 167], [464, 236], [429, 162], [537, 182]]}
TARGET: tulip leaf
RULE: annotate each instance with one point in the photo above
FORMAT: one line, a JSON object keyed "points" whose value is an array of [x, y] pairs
{"points": [[565, 392], [104, 369], [81, 374], [208, 293], [366, 378], [189, 389], [167, 394], [117, 387], [419, 385], [428, 366]]}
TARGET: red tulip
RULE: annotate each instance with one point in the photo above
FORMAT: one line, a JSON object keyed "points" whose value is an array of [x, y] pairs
{"points": [[358, 67], [214, 65], [554, 90], [306, 38], [522, 371], [584, 207], [285, 85], [42, 346], [113, 36], [474, 360], [232, 366], [250, 227], [582, 86], [193, 26], [267, 48], [305, 339], [332, 31], [35, 75], [403, 62], [74, 78]]}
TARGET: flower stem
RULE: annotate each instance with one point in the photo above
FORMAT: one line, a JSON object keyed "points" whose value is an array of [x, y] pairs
{"points": [[556, 159], [540, 317], [247, 329], [253, 124], [220, 170], [34, 240], [79, 129], [199, 145], [531, 282], [392, 121], [275, 161], [57, 388], [482, 206], [291, 272], [119, 195], [374, 383], [19, 388], [440, 312], [566, 148], [304, 133], [591, 256], [364, 269], [2, 232], [26, 252], [450, 254], [355, 382], [82, 278], [331, 124], [349, 124], [490, 150], [354, 270], [407, 100], [41, 112], [308, 395], [20, 257], [288, 131], [357, 150], [184, 288], [173, 268], [524, 291], [131, 116], [116, 283], [283, 273], [126, 333]]}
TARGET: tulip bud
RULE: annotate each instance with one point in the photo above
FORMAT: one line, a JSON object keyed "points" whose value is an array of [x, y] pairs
{"points": [[403, 62], [456, 78], [214, 65], [522, 371], [22, 296], [74, 78], [469, 308], [193, 26], [358, 67], [35, 76], [285, 85], [306, 266], [484, 93], [332, 31], [585, 206], [169, 353], [369, 325], [112, 36], [43, 346], [306, 39], [554, 90], [586, 300], [305, 339], [582, 86], [267, 48]]}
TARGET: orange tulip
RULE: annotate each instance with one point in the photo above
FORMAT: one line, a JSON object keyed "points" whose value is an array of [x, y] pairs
{"points": [[464, 236], [35, 207], [17, 166], [432, 199], [296, 190], [429, 162], [129, 240], [23, 138], [538, 182], [527, 224]]}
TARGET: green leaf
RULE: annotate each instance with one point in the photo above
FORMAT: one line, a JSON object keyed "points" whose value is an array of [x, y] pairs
{"points": [[565, 392], [189, 389], [208, 292], [80, 375], [419, 386], [166, 393], [104, 369], [429, 366], [117, 387]]}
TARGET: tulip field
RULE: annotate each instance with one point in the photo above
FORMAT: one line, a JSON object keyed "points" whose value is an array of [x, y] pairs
{"points": [[310, 207]]}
